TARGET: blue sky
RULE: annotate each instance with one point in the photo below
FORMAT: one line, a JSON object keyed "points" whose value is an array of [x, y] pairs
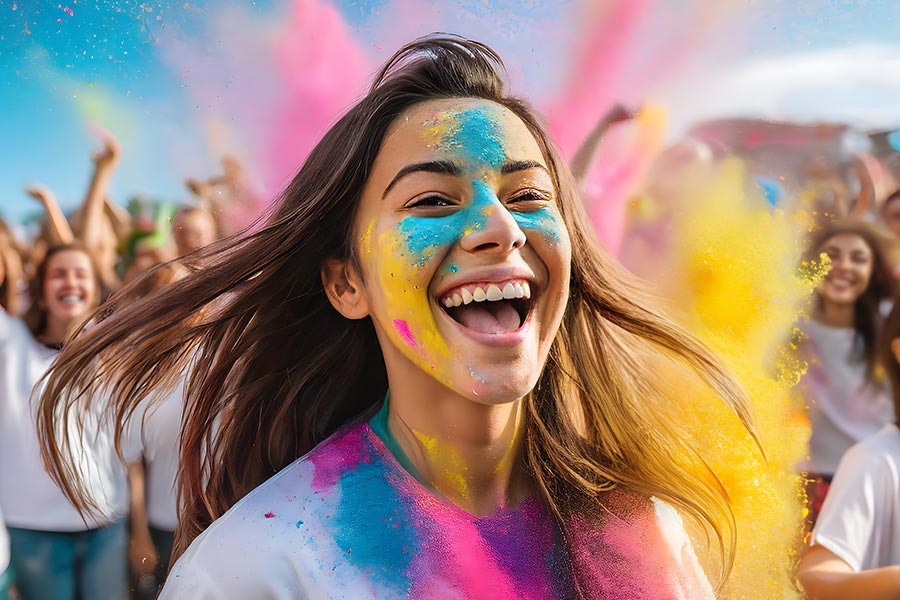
{"points": [[104, 60]]}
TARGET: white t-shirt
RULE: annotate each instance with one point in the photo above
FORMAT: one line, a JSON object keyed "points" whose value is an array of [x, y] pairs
{"points": [[844, 407], [160, 440], [348, 521], [860, 520], [29, 498]]}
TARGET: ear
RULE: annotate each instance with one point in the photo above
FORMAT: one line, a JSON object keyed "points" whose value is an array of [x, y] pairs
{"points": [[344, 289], [895, 348]]}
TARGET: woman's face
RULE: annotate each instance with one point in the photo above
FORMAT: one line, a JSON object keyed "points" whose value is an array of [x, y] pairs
{"points": [[464, 254], [70, 286], [851, 269]]}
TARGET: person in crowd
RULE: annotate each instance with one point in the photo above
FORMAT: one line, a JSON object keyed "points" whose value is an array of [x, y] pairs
{"points": [[12, 271], [228, 197], [425, 347], [847, 399], [855, 545], [154, 493], [98, 224], [890, 213], [55, 553], [193, 227]]}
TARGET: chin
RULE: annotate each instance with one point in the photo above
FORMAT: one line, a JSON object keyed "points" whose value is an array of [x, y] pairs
{"points": [[493, 388]]}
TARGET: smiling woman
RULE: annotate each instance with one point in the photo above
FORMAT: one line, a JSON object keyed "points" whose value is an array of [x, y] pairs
{"points": [[848, 398], [422, 377], [54, 552]]}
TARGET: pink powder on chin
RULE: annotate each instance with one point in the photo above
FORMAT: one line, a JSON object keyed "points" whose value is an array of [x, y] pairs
{"points": [[269, 515], [403, 329]]}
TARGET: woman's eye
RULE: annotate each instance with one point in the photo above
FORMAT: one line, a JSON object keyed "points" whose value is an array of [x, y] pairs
{"points": [[526, 198], [430, 202]]}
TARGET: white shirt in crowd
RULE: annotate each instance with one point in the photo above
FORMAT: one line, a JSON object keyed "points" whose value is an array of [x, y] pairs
{"points": [[160, 441], [844, 407], [860, 520], [29, 498]]}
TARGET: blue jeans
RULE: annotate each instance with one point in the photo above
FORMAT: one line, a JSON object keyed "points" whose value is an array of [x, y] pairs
{"points": [[63, 565]]}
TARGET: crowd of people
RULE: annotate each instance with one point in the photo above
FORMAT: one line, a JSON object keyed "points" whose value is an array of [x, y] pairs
{"points": [[421, 376]]}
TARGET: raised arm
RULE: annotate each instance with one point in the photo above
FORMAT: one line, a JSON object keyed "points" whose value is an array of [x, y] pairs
{"points": [[59, 232], [585, 154], [93, 209], [11, 272], [825, 576], [119, 218]]}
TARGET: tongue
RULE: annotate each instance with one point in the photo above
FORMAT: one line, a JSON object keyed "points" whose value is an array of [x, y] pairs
{"points": [[488, 317]]}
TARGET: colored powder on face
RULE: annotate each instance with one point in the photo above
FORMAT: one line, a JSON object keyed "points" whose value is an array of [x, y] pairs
{"points": [[403, 329], [269, 515], [453, 268], [474, 135], [407, 301], [365, 242]]}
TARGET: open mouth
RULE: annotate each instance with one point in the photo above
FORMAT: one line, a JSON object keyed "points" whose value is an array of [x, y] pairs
{"points": [[71, 299], [492, 308]]}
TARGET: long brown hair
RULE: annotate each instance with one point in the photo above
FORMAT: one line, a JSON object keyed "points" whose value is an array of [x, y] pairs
{"points": [[274, 369], [867, 315]]}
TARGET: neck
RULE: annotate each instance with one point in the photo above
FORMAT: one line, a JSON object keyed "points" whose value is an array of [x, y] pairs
{"points": [[471, 453], [835, 315], [54, 333]]}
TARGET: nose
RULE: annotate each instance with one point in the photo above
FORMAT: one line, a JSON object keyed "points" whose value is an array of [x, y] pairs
{"points": [[494, 229], [70, 279]]}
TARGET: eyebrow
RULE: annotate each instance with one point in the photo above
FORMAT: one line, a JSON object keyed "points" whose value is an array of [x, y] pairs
{"points": [[446, 167], [521, 165]]}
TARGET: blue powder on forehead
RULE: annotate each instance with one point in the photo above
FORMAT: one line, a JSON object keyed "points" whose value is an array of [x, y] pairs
{"points": [[476, 137]]}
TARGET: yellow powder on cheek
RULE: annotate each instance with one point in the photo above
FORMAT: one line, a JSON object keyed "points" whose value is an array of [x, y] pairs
{"points": [[412, 325], [737, 262], [365, 242]]}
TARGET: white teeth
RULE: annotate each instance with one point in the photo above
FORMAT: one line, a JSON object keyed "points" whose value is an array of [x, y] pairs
{"points": [[509, 291], [70, 299]]}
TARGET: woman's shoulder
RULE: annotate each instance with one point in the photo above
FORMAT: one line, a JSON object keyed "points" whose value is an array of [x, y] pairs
{"points": [[15, 336], [879, 452], [638, 547], [268, 544]]}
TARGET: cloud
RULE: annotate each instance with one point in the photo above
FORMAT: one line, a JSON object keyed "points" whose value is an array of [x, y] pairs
{"points": [[854, 84]]}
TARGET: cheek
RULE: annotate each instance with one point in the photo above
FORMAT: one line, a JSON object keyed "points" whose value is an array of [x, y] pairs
{"points": [[404, 267], [545, 223]]}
